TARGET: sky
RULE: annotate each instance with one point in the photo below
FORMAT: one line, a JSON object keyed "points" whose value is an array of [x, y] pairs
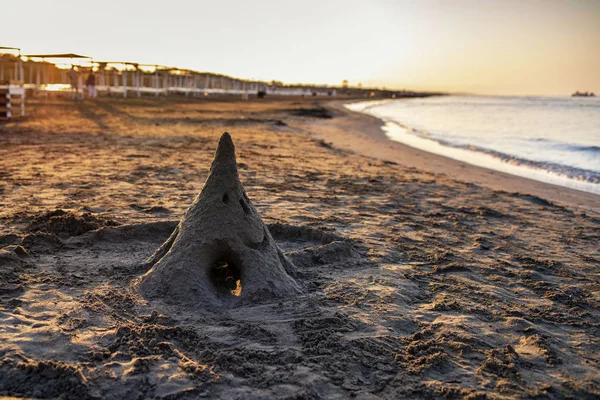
{"points": [[507, 47]]}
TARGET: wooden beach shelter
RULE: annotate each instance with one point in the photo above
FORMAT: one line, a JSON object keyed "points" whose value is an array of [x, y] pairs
{"points": [[12, 91], [11, 64], [119, 77], [124, 78], [49, 72]]}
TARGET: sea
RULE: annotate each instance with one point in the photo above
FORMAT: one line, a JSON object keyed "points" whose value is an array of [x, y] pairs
{"points": [[549, 139]]}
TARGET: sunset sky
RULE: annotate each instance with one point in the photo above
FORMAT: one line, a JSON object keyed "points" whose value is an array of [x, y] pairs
{"points": [[489, 47]]}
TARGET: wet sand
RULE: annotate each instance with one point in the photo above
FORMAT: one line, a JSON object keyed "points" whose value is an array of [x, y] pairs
{"points": [[415, 283]]}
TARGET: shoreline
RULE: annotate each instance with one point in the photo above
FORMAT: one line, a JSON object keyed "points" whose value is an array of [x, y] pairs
{"points": [[363, 134]]}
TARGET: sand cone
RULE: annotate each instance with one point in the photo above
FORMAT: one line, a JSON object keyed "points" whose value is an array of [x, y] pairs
{"points": [[221, 253]]}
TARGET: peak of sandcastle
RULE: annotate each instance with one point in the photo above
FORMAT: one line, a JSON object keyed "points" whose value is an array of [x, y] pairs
{"points": [[221, 253]]}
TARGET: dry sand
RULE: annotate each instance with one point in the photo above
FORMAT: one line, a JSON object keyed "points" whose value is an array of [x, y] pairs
{"points": [[414, 284]]}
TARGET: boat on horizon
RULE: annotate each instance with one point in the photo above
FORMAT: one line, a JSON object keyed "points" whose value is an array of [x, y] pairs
{"points": [[583, 94]]}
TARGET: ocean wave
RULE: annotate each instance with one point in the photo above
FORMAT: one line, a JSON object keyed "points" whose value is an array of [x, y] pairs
{"points": [[558, 169], [555, 168], [581, 148], [566, 146]]}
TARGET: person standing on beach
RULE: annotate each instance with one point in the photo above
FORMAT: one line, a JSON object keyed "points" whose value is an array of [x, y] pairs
{"points": [[91, 85], [74, 78]]}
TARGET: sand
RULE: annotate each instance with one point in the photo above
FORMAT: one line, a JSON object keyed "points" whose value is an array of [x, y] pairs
{"points": [[414, 283], [221, 255]]}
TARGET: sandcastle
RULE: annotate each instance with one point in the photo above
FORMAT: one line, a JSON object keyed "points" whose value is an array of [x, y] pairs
{"points": [[221, 253]]}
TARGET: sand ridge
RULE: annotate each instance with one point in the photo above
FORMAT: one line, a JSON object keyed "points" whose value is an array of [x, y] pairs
{"points": [[415, 284]]}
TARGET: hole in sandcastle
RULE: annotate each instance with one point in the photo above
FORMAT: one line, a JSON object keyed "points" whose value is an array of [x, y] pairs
{"points": [[226, 277], [225, 198], [245, 206]]}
